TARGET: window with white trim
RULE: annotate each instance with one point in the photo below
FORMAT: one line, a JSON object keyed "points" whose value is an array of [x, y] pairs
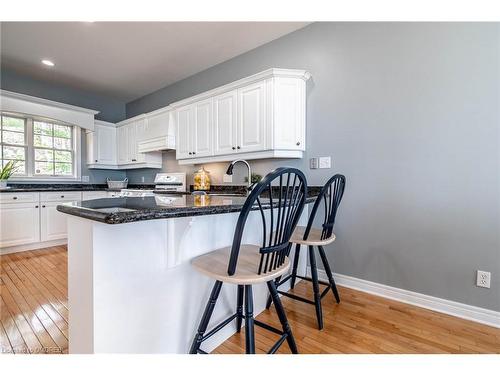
{"points": [[44, 149]]}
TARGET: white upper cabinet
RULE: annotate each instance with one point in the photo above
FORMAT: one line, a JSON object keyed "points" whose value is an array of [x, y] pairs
{"points": [[289, 115], [185, 121], [251, 134], [203, 124], [194, 130], [129, 134], [262, 116], [225, 123], [102, 146]]}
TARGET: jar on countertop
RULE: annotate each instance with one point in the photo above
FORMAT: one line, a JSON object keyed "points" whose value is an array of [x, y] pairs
{"points": [[201, 180]]}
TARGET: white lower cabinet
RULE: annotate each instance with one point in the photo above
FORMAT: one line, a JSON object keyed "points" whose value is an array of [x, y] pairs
{"points": [[19, 224], [31, 220], [52, 222]]}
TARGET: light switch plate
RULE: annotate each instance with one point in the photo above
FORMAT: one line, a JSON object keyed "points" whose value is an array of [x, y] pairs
{"points": [[314, 163], [325, 162], [227, 178], [85, 178]]}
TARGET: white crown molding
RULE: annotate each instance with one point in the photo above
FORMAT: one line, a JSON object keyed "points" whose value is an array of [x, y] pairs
{"points": [[460, 310], [35, 99], [266, 74]]}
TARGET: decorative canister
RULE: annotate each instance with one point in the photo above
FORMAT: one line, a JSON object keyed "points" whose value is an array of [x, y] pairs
{"points": [[202, 180]]}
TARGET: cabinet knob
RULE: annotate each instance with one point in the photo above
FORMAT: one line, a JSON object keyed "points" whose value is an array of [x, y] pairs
{"points": [[62, 196], [190, 153], [234, 148], [43, 206], [36, 206], [298, 143], [96, 160], [238, 147], [134, 160], [194, 153], [14, 198]]}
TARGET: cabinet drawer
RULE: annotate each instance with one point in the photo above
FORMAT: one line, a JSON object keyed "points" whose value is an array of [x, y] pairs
{"points": [[58, 196], [18, 197]]}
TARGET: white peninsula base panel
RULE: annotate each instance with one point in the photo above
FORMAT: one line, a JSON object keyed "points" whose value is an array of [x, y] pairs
{"points": [[132, 288]]}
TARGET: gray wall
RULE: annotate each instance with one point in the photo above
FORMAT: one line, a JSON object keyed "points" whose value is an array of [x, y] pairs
{"points": [[110, 109], [409, 113]]}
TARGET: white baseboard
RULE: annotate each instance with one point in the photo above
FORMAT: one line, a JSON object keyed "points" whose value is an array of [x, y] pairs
{"points": [[32, 246], [460, 310]]}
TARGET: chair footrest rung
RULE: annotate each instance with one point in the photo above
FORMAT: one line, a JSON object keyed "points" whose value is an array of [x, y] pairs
{"points": [[278, 343], [327, 289], [219, 327], [282, 281], [298, 298], [268, 327], [311, 280]]}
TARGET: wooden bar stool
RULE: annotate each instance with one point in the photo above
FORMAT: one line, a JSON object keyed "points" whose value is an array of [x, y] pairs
{"points": [[329, 200], [248, 264]]}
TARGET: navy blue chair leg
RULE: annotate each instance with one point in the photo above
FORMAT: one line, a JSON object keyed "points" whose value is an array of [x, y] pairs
{"points": [[209, 309], [315, 282], [239, 308], [295, 266], [249, 321], [328, 271], [282, 316]]}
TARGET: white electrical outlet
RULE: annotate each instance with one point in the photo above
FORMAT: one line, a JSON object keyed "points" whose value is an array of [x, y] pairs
{"points": [[314, 163], [325, 162], [85, 178], [227, 178], [483, 279], [142, 178]]}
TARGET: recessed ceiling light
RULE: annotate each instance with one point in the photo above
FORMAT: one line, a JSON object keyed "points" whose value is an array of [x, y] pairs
{"points": [[48, 63]]}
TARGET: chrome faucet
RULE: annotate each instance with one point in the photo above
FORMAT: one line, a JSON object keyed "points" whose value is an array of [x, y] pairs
{"points": [[230, 171]]}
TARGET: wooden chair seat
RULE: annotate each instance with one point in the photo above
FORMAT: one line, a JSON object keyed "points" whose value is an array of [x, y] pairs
{"points": [[313, 239], [214, 265]]}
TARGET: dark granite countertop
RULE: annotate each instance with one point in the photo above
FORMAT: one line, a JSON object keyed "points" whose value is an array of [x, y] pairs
{"points": [[161, 206], [29, 188]]}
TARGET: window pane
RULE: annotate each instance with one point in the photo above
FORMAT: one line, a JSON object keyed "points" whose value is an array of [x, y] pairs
{"points": [[63, 156], [44, 167], [62, 131], [42, 141], [64, 169], [13, 138], [62, 143], [11, 152], [20, 167], [42, 128], [44, 155], [12, 123]]}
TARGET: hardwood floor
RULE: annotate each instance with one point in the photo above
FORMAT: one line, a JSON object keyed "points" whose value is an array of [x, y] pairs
{"points": [[34, 301], [34, 318]]}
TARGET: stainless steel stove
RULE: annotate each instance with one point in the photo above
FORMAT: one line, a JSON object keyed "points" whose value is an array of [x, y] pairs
{"points": [[174, 182]]}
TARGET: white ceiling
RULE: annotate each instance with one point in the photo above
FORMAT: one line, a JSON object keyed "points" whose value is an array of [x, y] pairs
{"points": [[127, 60]]}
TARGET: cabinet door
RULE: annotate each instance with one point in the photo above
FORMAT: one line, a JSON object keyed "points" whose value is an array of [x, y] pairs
{"points": [[90, 138], [132, 142], [184, 118], [201, 137], [252, 118], [106, 144], [289, 114], [19, 224], [225, 123], [123, 146], [52, 222]]}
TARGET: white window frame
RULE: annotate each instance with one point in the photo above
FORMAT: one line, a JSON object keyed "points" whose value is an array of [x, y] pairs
{"points": [[30, 154]]}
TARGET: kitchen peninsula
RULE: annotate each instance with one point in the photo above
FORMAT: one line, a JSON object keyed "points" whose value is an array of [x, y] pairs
{"points": [[131, 285]]}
